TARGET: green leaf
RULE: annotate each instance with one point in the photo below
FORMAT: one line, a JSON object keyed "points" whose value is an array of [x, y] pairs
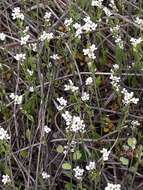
{"points": [[124, 161], [77, 155], [66, 166], [60, 149]]}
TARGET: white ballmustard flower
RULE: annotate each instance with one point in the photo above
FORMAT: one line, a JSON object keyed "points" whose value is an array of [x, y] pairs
{"points": [[17, 98], [62, 102], [89, 25], [3, 134], [97, 3], [47, 129], [46, 36], [77, 125], [20, 57], [45, 175], [16, 14], [136, 41], [129, 97], [90, 51], [55, 57], [79, 30], [105, 154], [139, 21], [70, 87], [31, 89], [5, 179], [135, 123], [24, 39], [67, 117], [85, 96], [30, 72], [90, 166], [47, 16], [78, 172], [111, 186], [68, 22], [2, 36], [89, 81]]}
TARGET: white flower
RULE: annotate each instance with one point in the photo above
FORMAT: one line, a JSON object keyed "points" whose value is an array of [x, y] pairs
{"points": [[47, 129], [45, 175], [90, 51], [5, 179], [34, 47], [68, 22], [129, 97], [30, 72], [3, 134], [78, 172], [62, 103], [16, 13], [90, 166], [24, 39], [79, 30], [135, 123], [89, 25], [85, 96], [67, 117], [136, 41], [97, 3], [2, 36], [31, 89], [105, 154], [70, 87], [46, 36], [20, 57], [139, 21], [17, 99], [89, 81], [55, 57], [77, 125], [47, 16], [107, 11], [111, 186]]}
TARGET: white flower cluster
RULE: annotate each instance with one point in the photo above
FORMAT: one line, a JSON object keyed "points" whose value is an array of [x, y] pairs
{"points": [[3, 134], [46, 36], [24, 39], [90, 51], [97, 3], [85, 96], [20, 57], [129, 97], [5, 179], [71, 87], [47, 16], [47, 129], [116, 34], [71, 147], [136, 41], [68, 22], [89, 81], [16, 14], [62, 103], [78, 172], [90, 166], [105, 154], [2, 36], [111, 186], [114, 79], [45, 175], [139, 21], [17, 99], [135, 123], [88, 26], [74, 123], [55, 57]]}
